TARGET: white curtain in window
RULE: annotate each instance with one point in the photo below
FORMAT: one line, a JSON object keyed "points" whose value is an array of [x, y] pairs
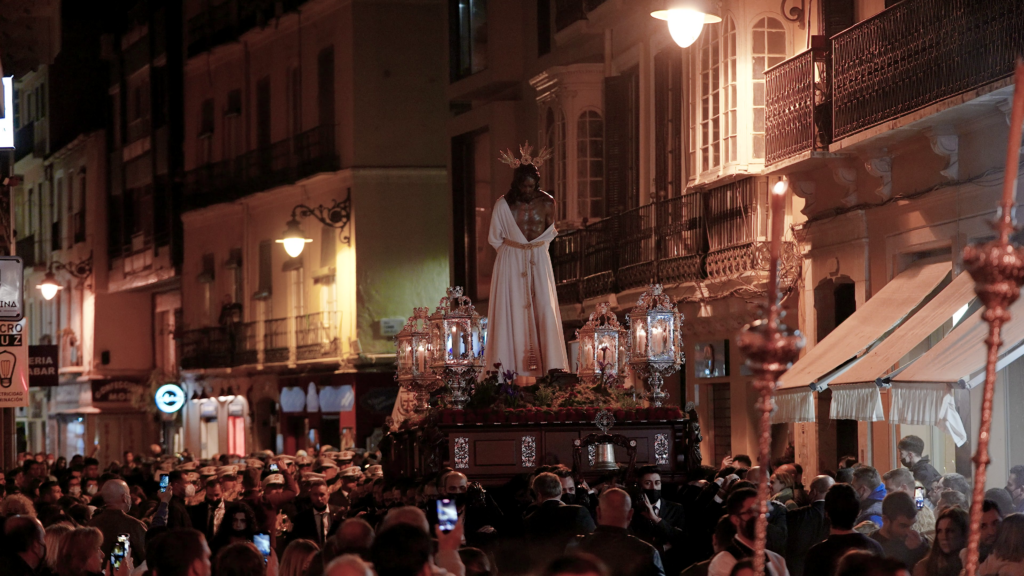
{"points": [[857, 402], [794, 406], [927, 405]]}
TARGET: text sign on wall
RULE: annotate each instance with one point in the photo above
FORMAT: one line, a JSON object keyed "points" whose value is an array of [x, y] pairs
{"points": [[12, 276], [13, 364], [42, 366]]}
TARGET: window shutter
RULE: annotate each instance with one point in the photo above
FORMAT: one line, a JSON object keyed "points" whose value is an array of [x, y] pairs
{"points": [[616, 143], [661, 123], [839, 15], [266, 270]]}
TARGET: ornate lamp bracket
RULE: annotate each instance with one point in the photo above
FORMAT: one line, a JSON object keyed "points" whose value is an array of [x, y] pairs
{"points": [[337, 215], [80, 270]]}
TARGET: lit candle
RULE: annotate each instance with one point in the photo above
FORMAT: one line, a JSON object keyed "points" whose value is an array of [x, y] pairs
{"points": [[778, 220], [658, 341], [407, 357], [588, 354], [448, 341], [641, 340], [421, 360]]}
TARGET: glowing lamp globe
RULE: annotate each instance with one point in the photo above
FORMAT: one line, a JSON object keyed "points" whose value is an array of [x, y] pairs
{"points": [[49, 286], [686, 19], [294, 240]]}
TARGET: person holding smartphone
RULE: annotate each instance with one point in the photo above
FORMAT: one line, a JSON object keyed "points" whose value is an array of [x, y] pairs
{"points": [[113, 521]]}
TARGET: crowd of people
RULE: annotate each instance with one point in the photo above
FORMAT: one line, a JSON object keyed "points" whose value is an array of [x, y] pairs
{"points": [[334, 513]]}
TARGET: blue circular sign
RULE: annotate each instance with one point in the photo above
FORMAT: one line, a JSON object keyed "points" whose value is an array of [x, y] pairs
{"points": [[170, 398]]}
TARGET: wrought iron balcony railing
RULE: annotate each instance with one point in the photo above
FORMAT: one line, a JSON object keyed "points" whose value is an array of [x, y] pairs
{"points": [[919, 52], [316, 335], [909, 56], [798, 107], [205, 348], [711, 234], [275, 341], [280, 163]]}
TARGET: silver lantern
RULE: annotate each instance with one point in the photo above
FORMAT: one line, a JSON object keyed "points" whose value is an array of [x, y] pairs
{"points": [[413, 359], [602, 345], [655, 347], [457, 340]]}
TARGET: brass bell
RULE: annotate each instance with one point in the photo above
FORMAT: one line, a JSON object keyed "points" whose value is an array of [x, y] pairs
{"points": [[604, 458]]}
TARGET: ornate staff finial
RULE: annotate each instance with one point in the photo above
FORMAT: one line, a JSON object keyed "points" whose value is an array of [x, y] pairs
{"points": [[998, 271]]}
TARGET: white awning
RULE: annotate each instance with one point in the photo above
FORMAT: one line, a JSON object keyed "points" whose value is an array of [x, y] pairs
{"points": [[926, 405], [915, 330], [880, 314], [857, 402], [793, 406], [962, 352]]}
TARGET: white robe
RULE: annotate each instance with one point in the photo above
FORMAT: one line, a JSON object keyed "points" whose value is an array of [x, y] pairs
{"points": [[510, 336]]}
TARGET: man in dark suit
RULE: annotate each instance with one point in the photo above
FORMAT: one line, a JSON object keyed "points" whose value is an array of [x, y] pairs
{"points": [[554, 523], [177, 513], [208, 514], [624, 554], [807, 526], [316, 523], [661, 523]]}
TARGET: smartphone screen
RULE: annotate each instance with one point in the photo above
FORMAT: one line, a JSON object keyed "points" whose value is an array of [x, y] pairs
{"points": [[447, 514], [275, 468], [120, 551], [262, 542], [919, 497], [164, 480]]}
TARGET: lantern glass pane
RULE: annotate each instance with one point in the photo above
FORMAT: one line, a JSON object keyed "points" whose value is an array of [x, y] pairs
{"points": [[662, 332]]}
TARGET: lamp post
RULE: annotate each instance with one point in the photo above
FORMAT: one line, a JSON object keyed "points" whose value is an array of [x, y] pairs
{"points": [[456, 344], [602, 348], [413, 359], [654, 343], [49, 286], [337, 215], [686, 19]]}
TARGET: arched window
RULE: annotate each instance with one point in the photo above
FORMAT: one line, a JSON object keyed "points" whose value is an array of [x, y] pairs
{"points": [[729, 90], [769, 48], [590, 165], [710, 102]]}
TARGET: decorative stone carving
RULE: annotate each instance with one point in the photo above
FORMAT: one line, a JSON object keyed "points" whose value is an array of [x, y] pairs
{"points": [[804, 189], [947, 146], [529, 451], [881, 167], [847, 178], [461, 452]]}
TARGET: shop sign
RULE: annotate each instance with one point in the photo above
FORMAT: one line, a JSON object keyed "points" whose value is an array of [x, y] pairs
{"points": [[170, 398], [13, 360], [114, 390], [42, 366], [12, 276]]}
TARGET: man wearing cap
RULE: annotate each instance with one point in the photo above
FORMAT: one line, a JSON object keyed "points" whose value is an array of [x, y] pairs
{"points": [[228, 476], [349, 478]]}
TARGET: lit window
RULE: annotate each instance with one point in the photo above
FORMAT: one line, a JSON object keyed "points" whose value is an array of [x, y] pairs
{"points": [[729, 92], [769, 49], [710, 98], [590, 165]]}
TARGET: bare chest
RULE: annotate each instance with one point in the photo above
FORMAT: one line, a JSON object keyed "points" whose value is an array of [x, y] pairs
{"points": [[533, 218]]}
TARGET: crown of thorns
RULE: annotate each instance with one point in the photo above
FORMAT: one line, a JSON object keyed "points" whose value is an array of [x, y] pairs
{"points": [[525, 158]]}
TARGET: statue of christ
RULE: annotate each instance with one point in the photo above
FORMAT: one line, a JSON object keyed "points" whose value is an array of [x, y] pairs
{"points": [[524, 323]]}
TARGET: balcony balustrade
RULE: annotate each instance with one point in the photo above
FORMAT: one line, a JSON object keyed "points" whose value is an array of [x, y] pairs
{"points": [[911, 55], [714, 234], [315, 337], [277, 164]]}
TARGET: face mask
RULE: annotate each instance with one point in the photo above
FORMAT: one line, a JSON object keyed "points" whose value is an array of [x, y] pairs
{"points": [[75, 491], [459, 499], [653, 495], [190, 490], [91, 490], [213, 503], [569, 498]]}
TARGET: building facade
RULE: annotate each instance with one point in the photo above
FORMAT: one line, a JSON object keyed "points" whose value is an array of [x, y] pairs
{"points": [[324, 109]]}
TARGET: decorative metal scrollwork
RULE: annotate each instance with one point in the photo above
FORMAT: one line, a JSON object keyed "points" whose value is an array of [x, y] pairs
{"points": [[337, 215]]}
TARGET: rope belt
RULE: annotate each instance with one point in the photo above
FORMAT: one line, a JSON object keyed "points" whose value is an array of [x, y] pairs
{"points": [[531, 359]]}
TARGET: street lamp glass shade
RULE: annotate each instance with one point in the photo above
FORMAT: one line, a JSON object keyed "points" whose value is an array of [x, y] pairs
{"points": [[49, 286], [686, 19], [294, 240]]}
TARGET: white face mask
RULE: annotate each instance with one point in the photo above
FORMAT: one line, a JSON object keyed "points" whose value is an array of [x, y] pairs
{"points": [[190, 490], [91, 490], [75, 491]]}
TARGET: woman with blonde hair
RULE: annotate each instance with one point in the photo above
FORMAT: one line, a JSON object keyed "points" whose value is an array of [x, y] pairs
{"points": [[1007, 557], [80, 553], [54, 534], [17, 504], [297, 557], [781, 484]]}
